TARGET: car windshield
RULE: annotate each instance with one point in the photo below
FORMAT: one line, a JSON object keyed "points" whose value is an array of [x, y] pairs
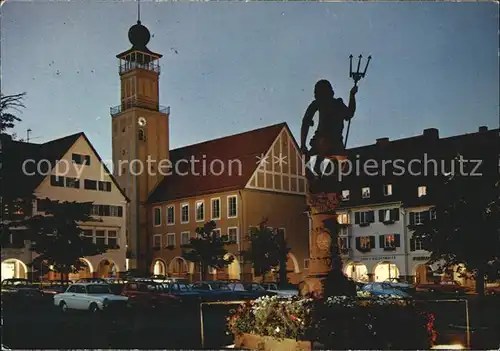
{"points": [[220, 286], [16, 282], [98, 289], [254, 287]]}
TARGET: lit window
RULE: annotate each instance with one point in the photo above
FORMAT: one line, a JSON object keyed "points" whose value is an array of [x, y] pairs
{"points": [[343, 218], [345, 195], [232, 208], [365, 193], [387, 189], [200, 211], [422, 190], [365, 242], [184, 213], [389, 241]]}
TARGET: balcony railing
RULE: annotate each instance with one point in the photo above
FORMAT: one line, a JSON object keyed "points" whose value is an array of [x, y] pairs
{"points": [[130, 104], [128, 66]]}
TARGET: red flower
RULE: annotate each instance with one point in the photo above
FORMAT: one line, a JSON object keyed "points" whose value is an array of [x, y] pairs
{"points": [[293, 318]]}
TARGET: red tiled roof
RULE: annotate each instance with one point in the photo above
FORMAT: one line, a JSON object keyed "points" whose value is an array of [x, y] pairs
{"points": [[243, 149]]}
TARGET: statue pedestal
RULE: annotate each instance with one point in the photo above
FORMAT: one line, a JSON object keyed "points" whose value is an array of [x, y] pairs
{"points": [[323, 199]]}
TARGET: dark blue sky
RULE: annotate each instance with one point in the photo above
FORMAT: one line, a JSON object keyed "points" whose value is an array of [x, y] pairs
{"points": [[242, 66]]}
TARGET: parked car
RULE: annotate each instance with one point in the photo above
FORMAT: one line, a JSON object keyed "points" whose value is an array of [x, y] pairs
{"points": [[492, 289], [93, 297], [401, 285], [149, 295], [250, 291], [18, 283], [283, 292], [444, 287], [214, 291], [383, 289], [93, 280], [54, 287], [183, 291]]}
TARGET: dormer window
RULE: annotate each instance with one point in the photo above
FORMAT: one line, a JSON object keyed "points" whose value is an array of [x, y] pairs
{"points": [[422, 190], [387, 189], [365, 192], [345, 195]]}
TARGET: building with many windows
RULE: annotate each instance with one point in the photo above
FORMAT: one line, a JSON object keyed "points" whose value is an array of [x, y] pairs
{"points": [[66, 169], [392, 185], [239, 180]]}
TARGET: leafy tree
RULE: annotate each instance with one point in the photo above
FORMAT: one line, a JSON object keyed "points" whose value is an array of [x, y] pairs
{"points": [[268, 249], [15, 201], [10, 102], [207, 249], [466, 228], [57, 237]]}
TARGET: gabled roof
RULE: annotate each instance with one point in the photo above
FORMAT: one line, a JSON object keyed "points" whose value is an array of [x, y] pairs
{"points": [[238, 152], [16, 153]]}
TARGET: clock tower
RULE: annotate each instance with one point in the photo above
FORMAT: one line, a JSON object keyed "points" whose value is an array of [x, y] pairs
{"points": [[140, 137]]}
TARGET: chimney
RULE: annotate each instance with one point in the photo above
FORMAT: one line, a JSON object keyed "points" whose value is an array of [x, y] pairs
{"points": [[431, 133], [483, 129], [382, 141]]}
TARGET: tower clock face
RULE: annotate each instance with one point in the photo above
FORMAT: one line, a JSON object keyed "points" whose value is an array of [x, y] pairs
{"points": [[141, 121]]}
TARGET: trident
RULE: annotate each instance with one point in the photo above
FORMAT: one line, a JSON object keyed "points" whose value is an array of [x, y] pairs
{"points": [[356, 76]]}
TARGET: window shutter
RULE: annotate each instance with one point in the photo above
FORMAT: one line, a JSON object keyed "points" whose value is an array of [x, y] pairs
{"points": [[425, 216], [412, 218], [358, 242], [412, 244], [120, 211], [381, 240], [380, 216], [372, 241], [397, 240], [356, 217], [395, 214], [371, 216]]}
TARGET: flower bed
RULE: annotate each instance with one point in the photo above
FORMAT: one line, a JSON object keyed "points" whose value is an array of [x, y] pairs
{"points": [[336, 322]]}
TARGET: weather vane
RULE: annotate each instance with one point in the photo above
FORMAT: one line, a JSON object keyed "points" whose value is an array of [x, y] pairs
{"points": [[356, 76]]}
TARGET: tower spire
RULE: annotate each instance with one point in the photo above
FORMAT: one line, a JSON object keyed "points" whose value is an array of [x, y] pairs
{"points": [[139, 11]]}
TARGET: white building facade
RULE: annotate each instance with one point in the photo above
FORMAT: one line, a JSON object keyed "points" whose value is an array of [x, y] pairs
{"points": [[85, 180]]}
